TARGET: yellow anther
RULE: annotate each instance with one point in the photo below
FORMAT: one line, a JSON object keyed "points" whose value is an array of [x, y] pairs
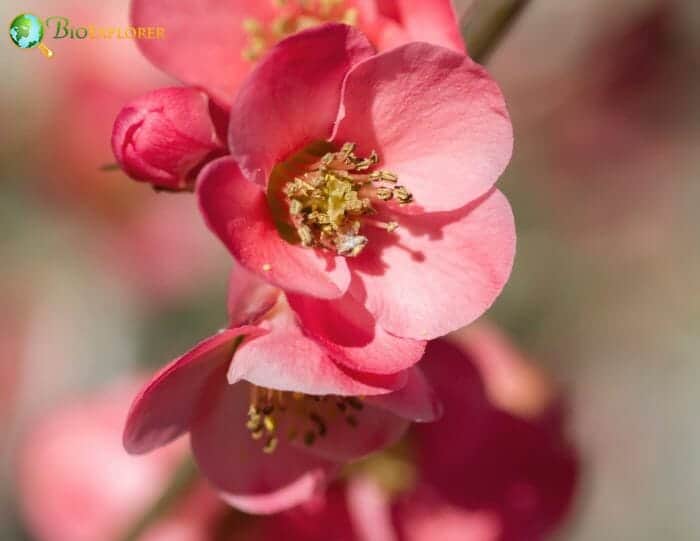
{"points": [[402, 195], [384, 194], [270, 445], [269, 423], [267, 267]]}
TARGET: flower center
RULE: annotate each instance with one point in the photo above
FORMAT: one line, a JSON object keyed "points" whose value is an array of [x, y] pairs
{"points": [[329, 202], [295, 416], [293, 16]]}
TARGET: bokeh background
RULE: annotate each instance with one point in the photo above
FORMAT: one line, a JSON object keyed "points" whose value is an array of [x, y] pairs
{"points": [[101, 278]]}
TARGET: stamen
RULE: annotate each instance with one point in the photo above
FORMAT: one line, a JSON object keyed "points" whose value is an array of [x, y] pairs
{"points": [[402, 195], [330, 200], [271, 414], [270, 445], [293, 16]]}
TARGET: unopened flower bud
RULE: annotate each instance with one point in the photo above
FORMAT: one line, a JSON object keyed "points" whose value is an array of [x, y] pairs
{"points": [[165, 136]]}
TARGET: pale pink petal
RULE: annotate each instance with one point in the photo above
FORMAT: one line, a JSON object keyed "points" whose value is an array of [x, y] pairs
{"points": [[237, 211], [204, 40], [349, 332], [237, 465], [389, 34], [432, 21], [292, 97], [438, 272], [249, 297], [370, 510], [424, 516], [436, 119], [415, 401], [306, 487], [287, 360], [163, 409]]}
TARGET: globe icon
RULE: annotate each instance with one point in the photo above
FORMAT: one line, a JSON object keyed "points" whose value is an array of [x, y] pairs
{"points": [[27, 31]]}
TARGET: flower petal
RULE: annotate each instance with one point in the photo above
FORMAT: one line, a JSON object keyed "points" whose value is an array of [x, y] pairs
{"points": [[438, 272], [286, 360], [372, 430], [292, 97], [370, 509], [432, 21], [303, 489], [416, 401], [204, 40], [522, 470], [351, 335], [237, 211], [249, 298], [436, 119], [227, 455], [163, 409]]}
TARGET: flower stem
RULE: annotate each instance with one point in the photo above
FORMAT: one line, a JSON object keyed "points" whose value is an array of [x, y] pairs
{"points": [[181, 481], [485, 26]]}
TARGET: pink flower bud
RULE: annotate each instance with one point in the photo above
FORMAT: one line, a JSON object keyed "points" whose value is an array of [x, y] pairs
{"points": [[165, 136]]}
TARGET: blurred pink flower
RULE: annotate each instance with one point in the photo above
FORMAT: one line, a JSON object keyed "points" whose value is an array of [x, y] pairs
{"points": [[164, 136], [488, 470], [76, 483], [118, 222], [301, 203], [271, 414], [214, 44]]}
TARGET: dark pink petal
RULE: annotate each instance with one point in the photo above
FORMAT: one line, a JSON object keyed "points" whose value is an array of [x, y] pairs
{"points": [[163, 409], [164, 136], [351, 335], [285, 359], [432, 21], [415, 401], [438, 272], [374, 429], [227, 455], [292, 97], [324, 519], [204, 40], [249, 298], [237, 211], [436, 119], [522, 470]]}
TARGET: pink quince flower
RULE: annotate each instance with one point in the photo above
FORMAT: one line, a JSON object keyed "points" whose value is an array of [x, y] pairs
{"points": [[363, 183], [76, 483], [214, 44], [270, 413], [165, 136], [496, 467]]}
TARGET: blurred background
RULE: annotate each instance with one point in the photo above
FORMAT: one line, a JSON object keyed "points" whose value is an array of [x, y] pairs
{"points": [[102, 279]]}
